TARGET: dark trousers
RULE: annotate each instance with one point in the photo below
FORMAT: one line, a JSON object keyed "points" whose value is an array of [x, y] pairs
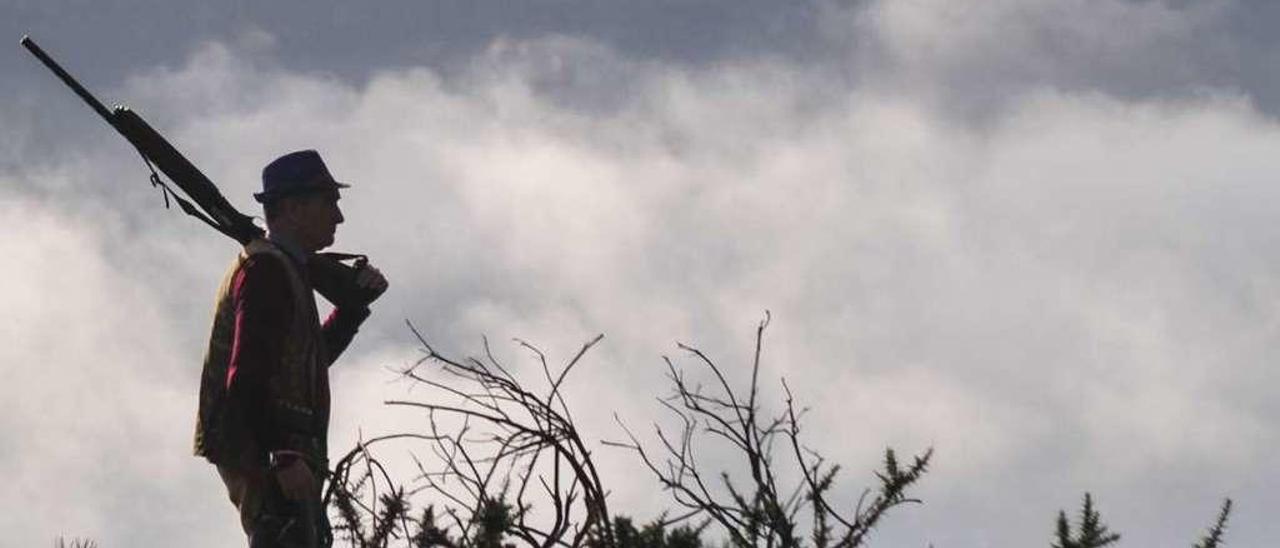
{"points": [[268, 519]]}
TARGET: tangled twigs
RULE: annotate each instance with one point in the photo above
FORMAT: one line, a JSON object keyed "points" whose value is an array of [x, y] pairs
{"points": [[513, 445], [763, 513], [507, 463]]}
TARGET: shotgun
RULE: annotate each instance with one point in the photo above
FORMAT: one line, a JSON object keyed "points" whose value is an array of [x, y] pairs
{"points": [[332, 278]]}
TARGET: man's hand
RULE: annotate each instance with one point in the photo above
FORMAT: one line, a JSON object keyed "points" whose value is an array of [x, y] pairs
{"points": [[370, 278], [296, 480], [346, 286]]}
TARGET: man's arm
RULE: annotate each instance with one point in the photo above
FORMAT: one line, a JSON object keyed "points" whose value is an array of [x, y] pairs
{"points": [[340, 328], [342, 324], [264, 312]]}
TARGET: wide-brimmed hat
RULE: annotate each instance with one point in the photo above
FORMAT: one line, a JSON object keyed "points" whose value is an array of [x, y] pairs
{"points": [[295, 173]]}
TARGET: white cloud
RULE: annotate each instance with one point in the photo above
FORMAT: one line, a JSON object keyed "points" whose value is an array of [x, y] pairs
{"points": [[96, 414]]}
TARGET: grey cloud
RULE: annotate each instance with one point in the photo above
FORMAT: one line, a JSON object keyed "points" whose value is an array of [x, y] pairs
{"points": [[353, 41], [972, 59], [1073, 296]]}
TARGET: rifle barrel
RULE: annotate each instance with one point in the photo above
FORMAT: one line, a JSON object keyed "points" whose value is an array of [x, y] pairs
{"points": [[67, 79]]}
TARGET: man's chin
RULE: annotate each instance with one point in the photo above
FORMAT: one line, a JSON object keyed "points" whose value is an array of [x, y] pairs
{"points": [[321, 246]]}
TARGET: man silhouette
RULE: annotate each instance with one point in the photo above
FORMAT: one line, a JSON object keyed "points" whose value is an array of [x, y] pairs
{"points": [[264, 394]]}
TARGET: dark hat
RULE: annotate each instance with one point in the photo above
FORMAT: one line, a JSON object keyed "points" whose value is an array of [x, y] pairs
{"points": [[294, 173]]}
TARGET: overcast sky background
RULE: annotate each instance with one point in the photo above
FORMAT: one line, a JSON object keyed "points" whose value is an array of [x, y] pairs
{"points": [[1036, 235]]}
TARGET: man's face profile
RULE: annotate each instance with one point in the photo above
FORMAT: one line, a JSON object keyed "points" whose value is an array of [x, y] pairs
{"points": [[313, 218]]}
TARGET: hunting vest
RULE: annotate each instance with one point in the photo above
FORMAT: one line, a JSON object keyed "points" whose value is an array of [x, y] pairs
{"points": [[298, 389]]}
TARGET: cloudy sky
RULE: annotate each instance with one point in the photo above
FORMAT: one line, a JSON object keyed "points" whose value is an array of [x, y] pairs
{"points": [[1036, 235]]}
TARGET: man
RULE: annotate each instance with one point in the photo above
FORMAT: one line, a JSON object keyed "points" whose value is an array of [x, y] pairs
{"points": [[264, 394]]}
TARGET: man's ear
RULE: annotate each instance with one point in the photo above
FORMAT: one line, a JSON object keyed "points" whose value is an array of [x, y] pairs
{"points": [[287, 208]]}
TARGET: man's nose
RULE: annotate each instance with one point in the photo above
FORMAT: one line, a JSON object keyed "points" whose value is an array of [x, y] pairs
{"points": [[337, 215]]}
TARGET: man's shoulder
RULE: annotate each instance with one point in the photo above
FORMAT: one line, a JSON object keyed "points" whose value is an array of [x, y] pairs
{"points": [[263, 261], [262, 246], [265, 252], [263, 264]]}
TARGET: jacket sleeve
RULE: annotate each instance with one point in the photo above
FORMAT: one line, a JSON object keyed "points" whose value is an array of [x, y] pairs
{"points": [[264, 312], [340, 328]]}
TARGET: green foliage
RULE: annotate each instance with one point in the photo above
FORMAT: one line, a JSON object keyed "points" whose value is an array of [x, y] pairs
{"points": [[429, 534], [1091, 534], [1213, 539], [391, 522], [489, 527], [485, 528], [655, 535], [492, 521]]}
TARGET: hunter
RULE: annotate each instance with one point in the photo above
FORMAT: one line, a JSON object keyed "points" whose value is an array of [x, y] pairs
{"points": [[264, 394]]}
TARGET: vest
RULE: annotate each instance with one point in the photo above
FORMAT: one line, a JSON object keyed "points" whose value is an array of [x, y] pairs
{"points": [[298, 390]]}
